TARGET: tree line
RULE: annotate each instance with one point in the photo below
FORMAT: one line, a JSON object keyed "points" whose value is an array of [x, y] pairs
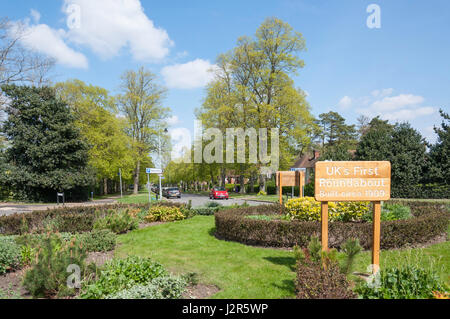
{"points": [[253, 88], [71, 136]]}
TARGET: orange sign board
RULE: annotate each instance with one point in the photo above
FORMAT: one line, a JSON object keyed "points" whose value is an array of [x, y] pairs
{"points": [[289, 178], [353, 181]]}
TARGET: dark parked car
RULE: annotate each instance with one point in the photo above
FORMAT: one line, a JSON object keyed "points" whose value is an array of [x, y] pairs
{"points": [[218, 193], [169, 192]]}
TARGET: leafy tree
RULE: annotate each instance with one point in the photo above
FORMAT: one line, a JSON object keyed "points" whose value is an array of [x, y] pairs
{"points": [[141, 103], [440, 152], [408, 159], [253, 89], [338, 152], [335, 131], [46, 153], [376, 143], [95, 115]]}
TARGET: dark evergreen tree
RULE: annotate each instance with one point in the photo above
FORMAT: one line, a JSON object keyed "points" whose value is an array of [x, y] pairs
{"points": [[338, 152], [440, 152], [408, 159], [46, 154], [335, 131], [375, 144]]}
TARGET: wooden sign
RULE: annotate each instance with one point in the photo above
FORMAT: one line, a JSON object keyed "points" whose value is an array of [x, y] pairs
{"points": [[352, 181], [290, 178]]}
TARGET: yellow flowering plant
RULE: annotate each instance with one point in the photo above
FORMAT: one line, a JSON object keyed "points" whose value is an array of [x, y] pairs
{"points": [[308, 209], [163, 214]]}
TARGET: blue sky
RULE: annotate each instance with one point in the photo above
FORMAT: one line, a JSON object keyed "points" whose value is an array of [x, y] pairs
{"points": [[400, 70]]}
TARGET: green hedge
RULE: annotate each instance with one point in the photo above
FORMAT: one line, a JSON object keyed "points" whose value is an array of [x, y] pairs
{"points": [[67, 219], [430, 221]]}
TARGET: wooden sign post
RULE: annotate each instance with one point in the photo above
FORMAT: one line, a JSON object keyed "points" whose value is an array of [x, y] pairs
{"points": [[290, 178], [353, 181]]}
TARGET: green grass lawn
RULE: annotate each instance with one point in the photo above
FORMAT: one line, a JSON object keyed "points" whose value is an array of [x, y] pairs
{"points": [[140, 198], [242, 271]]}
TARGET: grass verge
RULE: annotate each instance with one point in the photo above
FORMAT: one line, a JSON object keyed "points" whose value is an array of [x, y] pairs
{"points": [[242, 271]]}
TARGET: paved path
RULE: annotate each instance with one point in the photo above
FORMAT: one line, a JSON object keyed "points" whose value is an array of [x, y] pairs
{"points": [[202, 200], [11, 208], [197, 201]]}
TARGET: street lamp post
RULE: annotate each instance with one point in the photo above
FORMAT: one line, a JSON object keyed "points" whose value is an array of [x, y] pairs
{"points": [[160, 163]]}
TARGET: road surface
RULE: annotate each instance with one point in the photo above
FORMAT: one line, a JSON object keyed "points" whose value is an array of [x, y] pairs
{"points": [[197, 201]]}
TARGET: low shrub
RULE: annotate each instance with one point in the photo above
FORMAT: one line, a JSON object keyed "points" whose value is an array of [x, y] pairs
{"points": [[390, 212], [10, 257], [122, 274], [118, 222], [166, 287], [233, 225], [101, 240], [205, 211], [319, 275], [213, 204], [408, 282], [263, 217], [308, 209], [163, 214], [66, 219], [48, 274]]}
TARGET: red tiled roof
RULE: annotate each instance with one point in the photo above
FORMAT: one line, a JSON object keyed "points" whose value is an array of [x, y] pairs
{"points": [[306, 161]]}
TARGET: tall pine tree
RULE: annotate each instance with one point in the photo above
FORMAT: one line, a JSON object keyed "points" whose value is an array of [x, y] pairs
{"points": [[46, 153]]}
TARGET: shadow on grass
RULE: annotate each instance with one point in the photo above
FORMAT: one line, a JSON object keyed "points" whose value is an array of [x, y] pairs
{"points": [[287, 285], [284, 261], [212, 231]]}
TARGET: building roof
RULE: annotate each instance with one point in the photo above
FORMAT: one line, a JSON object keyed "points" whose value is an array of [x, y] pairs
{"points": [[307, 161]]}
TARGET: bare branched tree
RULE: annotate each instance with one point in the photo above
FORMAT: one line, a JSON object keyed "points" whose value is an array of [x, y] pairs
{"points": [[17, 63]]}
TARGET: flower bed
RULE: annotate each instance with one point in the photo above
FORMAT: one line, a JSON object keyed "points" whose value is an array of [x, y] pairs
{"points": [[68, 219], [429, 221]]}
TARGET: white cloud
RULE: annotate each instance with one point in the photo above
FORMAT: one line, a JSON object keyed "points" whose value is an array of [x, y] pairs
{"points": [[382, 93], [173, 120], [35, 15], [45, 40], [396, 102], [402, 107], [408, 114], [345, 102], [107, 26], [190, 75], [181, 141]]}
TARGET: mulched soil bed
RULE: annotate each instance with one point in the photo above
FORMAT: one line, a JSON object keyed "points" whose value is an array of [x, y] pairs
{"points": [[200, 291]]}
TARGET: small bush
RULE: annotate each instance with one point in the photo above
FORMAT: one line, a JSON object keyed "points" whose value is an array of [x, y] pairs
{"points": [[48, 275], [205, 211], [425, 225], [213, 204], [101, 240], [159, 288], [67, 219], [122, 274], [163, 214], [10, 257], [319, 275], [408, 282], [391, 212], [117, 222], [308, 209]]}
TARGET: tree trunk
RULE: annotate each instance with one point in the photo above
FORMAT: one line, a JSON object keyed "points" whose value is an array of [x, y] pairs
{"points": [[136, 178], [105, 186], [241, 182], [252, 184]]}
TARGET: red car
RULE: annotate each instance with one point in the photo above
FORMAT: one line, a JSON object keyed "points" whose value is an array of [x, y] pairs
{"points": [[218, 193]]}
